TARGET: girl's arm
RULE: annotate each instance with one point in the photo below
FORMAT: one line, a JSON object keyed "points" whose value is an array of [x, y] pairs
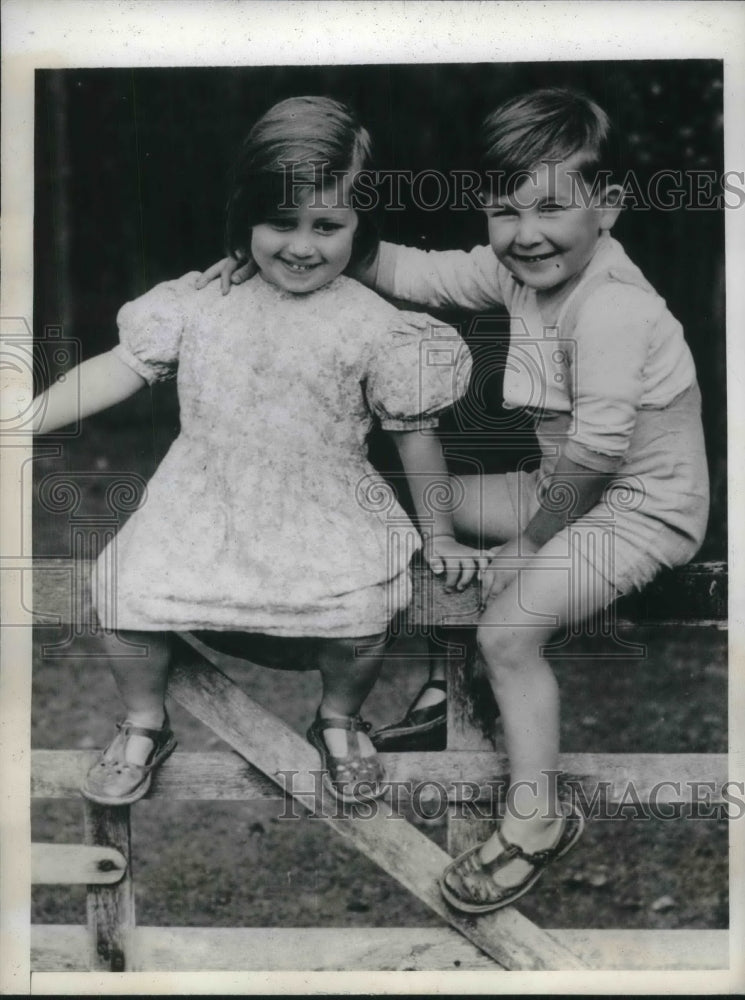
{"points": [[426, 473], [568, 493], [94, 385]]}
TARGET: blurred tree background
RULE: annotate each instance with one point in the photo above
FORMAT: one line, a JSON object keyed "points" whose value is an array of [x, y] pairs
{"points": [[132, 171]]}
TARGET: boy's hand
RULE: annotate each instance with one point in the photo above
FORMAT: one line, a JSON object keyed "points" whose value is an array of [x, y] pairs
{"points": [[460, 563], [229, 271], [504, 566]]}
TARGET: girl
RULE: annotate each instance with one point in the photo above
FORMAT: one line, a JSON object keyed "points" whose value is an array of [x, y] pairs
{"points": [[262, 517], [622, 490]]}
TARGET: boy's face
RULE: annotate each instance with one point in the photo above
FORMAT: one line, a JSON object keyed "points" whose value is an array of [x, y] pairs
{"points": [[546, 230]]}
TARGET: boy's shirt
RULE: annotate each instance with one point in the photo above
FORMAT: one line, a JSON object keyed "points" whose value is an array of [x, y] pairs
{"points": [[600, 349]]}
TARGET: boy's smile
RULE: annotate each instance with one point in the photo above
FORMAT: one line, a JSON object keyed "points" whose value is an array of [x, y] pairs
{"points": [[546, 230], [301, 249]]}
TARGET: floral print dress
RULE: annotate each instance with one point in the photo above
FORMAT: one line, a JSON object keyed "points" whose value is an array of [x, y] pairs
{"points": [[266, 515]]}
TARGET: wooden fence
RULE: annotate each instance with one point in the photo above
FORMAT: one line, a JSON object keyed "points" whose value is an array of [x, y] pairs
{"points": [[267, 750]]}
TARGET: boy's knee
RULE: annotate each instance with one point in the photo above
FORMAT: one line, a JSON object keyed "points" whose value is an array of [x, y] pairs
{"points": [[504, 649]]}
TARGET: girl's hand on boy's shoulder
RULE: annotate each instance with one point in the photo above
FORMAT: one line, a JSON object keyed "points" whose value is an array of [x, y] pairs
{"points": [[229, 271], [460, 563]]}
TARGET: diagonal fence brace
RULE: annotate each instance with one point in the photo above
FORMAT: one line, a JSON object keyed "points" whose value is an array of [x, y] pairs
{"points": [[267, 743]]}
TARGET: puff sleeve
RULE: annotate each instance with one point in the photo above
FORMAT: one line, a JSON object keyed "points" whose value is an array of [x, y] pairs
{"points": [[420, 367], [150, 329]]}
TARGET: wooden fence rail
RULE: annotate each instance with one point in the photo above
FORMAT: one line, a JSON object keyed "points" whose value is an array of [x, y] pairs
{"points": [[272, 761], [58, 591], [443, 775], [64, 947]]}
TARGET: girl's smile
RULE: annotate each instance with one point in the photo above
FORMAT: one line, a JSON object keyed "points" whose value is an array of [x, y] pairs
{"points": [[303, 248], [546, 230]]}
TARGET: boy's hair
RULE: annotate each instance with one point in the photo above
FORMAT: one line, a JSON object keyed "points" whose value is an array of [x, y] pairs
{"points": [[299, 146], [551, 124]]}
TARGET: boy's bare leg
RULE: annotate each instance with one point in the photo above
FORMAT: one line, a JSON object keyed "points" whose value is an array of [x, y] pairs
{"points": [[510, 637]]}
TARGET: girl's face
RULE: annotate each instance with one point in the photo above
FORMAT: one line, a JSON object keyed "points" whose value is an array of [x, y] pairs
{"points": [[303, 248], [546, 230]]}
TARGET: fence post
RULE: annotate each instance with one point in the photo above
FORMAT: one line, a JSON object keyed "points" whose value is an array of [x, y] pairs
{"points": [[472, 714], [110, 908]]}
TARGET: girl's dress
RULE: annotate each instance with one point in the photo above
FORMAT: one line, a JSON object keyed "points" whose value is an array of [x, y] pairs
{"points": [[266, 515], [603, 369]]}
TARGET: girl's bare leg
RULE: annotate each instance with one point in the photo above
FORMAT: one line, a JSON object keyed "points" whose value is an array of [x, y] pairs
{"points": [[349, 669], [142, 682]]}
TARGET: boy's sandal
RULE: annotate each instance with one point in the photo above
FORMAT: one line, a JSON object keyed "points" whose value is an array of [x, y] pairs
{"points": [[467, 884], [420, 728], [353, 777], [115, 781]]}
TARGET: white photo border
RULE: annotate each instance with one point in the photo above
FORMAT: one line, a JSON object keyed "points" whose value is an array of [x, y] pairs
{"points": [[85, 33]]}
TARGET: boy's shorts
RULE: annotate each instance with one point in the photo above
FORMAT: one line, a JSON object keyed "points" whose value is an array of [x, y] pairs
{"points": [[654, 513]]}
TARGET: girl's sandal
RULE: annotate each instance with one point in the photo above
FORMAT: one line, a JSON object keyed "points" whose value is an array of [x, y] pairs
{"points": [[420, 728], [347, 777], [113, 780], [467, 884]]}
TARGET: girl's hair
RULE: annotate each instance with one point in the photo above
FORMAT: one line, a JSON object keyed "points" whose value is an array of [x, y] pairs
{"points": [[299, 146], [551, 124]]}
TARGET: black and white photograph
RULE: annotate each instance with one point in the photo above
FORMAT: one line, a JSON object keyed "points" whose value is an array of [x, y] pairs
{"points": [[371, 468]]}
